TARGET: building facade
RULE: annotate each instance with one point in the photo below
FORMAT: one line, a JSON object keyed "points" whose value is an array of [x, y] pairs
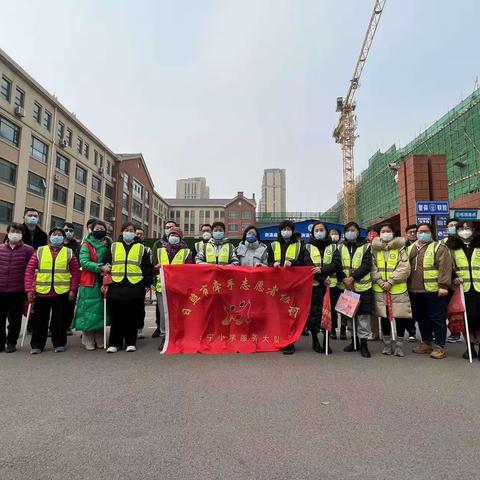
{"points": [[239, 214], [274, 191], [194, 188]]}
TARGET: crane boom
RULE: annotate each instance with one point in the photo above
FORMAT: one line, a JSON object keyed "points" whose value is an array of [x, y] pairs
{"points": [[345, 132]]}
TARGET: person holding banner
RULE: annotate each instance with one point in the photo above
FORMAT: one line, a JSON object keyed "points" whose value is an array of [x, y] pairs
{"points": [[218, 250], [428, 287], [250, 251], [465, 252], [89, 313], [354, 263], [390, 271], [131, 274], [321, 250]]}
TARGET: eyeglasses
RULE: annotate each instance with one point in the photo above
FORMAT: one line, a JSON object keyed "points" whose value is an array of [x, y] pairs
{"points": [[68, 230]]}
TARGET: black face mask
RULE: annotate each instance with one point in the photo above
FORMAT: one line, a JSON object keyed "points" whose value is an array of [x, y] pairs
{"points": [[99, 234]]}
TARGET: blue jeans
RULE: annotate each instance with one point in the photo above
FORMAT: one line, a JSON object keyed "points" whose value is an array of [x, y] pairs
{"points": [[430, 311]]}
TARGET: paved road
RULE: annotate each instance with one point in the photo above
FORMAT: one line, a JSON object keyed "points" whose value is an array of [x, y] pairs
{"points": [[88, 415]]}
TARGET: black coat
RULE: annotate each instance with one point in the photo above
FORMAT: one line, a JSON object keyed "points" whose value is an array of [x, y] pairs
{"points": [[303, 256], [35, 240], [74, 246]]}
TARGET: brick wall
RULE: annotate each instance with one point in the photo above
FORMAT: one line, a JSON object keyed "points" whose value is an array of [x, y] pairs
{"points": [[239, 207]]}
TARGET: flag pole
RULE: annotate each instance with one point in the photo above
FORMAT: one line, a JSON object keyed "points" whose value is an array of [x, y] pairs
{"points": [[327, 334], [26, 323], [467, 330], [354, 328]]}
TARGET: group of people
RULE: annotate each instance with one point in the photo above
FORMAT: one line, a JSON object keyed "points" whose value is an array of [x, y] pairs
{"points": [[83, 284]]}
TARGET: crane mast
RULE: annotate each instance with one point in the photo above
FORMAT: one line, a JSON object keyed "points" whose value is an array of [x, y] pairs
{"points": [[345, 132]]}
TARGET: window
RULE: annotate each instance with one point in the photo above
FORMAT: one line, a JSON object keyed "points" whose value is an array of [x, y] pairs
{"points": [[39, 150], [137, 209], [124, 218], [60, 131], [202, 215], [68, 137], [233, 227], [187, 214], [147, 197], [36, 184], [81, 175], [125, 181], [9, 131], [8, 172], [6, 89], [95, 209], [6, 212], [192, 228], [62, 164], [246, 215], [101, 161], [19, 97], [109, 167], [109, 191], [78, 230], [137, 190], [95, 158], [216, 214], [185, 228], [86, 150], [244, 226], [96, 184], [177, 216], [79, 145], [57, 222], [147, 214], [37, 112], [79, 202], [192, 215], [222, 214], [108, 214], [59, 194], [125, 201], [207, 215], [232, 214], [47, 120]]}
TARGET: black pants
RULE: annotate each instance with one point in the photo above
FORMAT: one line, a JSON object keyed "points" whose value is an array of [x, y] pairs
{"points": [[43, 306], [124, 319], [11, 305], [157, 314], [430, 311], [400, 323], [141, 318], [69, 312]]}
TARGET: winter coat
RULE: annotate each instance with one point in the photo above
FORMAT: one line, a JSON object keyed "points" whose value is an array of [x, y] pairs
{"points": [[74, 246], [249, 254], [89, 312], [13, 264], [400, 302], [35, 240], [217, 244], [303, 256]]}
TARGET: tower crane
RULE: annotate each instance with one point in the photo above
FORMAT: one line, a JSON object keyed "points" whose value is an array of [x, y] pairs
{"points": [[345, 132]]}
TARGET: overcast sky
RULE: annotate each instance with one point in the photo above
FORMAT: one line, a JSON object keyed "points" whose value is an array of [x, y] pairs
{"points": [[226, 88]]}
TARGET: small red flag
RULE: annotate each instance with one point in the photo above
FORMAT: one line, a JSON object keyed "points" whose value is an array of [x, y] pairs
{"points": [[389, 306], [455, 311], [326, 323]]}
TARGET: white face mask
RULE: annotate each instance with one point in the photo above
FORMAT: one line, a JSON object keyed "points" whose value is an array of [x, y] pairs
{"points": [[386, 236], [335, 238], [465, 233], [206, 236], [14, 237]]}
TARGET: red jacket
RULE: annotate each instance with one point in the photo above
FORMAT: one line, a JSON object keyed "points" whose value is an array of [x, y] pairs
{"points": [[33, 265], [13, 263]]}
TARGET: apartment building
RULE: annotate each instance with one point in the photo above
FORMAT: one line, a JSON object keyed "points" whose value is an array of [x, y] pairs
{"points": [[274, 191], [193, 188]]}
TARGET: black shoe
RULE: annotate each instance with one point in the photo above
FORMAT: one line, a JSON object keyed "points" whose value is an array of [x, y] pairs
{"points": [[316, 344], [305, 332], [333, 335], [162, 343], [289, 349], [11, 348], [351, 347], [156, 333], [364, 351], [69, 332], [474, 352], [343, 332]]}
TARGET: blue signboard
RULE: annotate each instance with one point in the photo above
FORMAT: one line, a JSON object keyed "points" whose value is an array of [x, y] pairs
{"points": [[466, 214], [427, 207], [442, 233], [424, 219], [441, 221]]}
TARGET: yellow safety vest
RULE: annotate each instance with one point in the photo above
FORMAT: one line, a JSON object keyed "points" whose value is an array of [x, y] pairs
{"points": [[292, 253], [223, 256], [354, 263], [179, 259], [53, 273], [430, 269], [129, 267], [199, 246], [386, 270], [468, 272], [318, 261]]}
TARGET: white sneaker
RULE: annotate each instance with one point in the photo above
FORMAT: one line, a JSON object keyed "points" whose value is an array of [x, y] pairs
{"points": [[112, 350], [131, 348], [140, 334]]}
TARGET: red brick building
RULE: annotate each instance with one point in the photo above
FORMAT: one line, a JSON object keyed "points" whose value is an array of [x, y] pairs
{"points": [[239, 214]]}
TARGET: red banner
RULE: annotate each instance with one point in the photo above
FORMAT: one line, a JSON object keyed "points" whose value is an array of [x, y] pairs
{"points": [[213, 309]]}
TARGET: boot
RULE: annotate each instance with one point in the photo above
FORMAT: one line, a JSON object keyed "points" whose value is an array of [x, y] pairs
{"points": [[388, 348], [399, 347], [289, 349], [325, 342], [333, 335], [364, 351], [351, 347], [305, 332], [343, 332], [474, 352], [315, 342]]}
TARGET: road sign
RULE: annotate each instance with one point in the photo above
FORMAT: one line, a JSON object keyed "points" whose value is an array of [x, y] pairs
{"points": [[427, 207], [466, 214]]}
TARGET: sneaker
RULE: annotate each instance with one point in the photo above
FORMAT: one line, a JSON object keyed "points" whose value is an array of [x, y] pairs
{"points": [[35, 351], [156, 333], [112, 350], [387, 349], [11, 348], [438, 353], [131, 348], [412, 338], [60, 349], [90, 348], [454, 338], [140, 334], [69, 332], [399, 351], [423, 348]]}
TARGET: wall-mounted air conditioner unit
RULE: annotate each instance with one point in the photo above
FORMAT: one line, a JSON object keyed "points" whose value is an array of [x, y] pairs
{"points": [[20, 112]]}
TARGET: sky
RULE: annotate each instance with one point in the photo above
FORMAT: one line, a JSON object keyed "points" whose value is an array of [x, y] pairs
{"points": [[226, 88]]}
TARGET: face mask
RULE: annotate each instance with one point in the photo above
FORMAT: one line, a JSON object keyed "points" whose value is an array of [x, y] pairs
{"points": [[173, 240], [335, 238], [206, 236], [167, 231], [424, 237], [452, 230], [14, 237], [218, 235], [128, 236], [286, 234], [251, 238], [386, 236], [31, 220], [319, 235], [69, 235], [56, 240], [99, 234], [351, 235], [465, 234]]}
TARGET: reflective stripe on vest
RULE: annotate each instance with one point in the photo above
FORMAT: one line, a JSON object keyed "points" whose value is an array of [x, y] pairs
{"points": [[53, 273], [199, 246], [179, 259], [386, 271], [129, 267], [468, 272], [292, 253], [223, 256], [354, 263], [327, 260], [316, 257], [430, 271]]}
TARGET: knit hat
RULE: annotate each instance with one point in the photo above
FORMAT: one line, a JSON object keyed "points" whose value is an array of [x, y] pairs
{"points": [[177, 231], [56, 229]]}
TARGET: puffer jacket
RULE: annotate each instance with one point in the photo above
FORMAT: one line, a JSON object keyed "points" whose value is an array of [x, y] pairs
{"points": [[13, 264], [249, 254]]}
